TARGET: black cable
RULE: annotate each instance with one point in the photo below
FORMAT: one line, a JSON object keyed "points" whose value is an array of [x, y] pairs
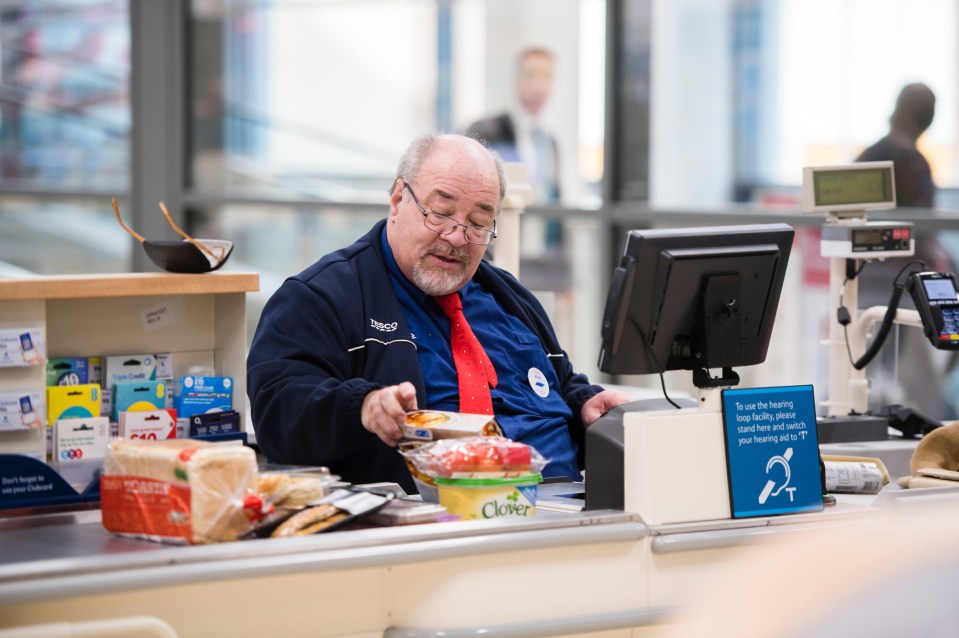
{"points": [[662, 382], [842, 313], [649, 351], [884, 327], [845, 334], [911, 263], [887, 319]]}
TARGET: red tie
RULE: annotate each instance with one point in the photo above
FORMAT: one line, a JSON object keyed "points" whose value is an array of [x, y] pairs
{"points": [[473, 367]]}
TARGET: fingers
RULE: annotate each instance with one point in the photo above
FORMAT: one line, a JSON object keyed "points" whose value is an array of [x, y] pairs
{"points": [[384, 411], [602, 403], [407, 393]]}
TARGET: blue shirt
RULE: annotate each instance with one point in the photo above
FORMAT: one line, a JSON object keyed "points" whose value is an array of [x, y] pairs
{"points": [[526, 400]]}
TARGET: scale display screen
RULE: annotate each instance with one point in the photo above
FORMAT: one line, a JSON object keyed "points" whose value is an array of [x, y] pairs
{"points": [[853, 186], [849, 190]]}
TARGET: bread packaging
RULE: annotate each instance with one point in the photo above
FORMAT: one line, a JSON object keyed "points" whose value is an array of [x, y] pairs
{"points": [[180, 490]]}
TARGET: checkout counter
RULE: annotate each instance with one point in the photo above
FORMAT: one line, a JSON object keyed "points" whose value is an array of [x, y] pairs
{"points": [[578, 567], [561, 572]]}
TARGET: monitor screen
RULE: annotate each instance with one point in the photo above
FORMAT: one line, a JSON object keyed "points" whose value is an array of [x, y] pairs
{"points": [[694, 299]]}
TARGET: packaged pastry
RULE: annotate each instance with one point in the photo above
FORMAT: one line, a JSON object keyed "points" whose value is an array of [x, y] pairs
{"points": [[292, 490], [430, 425], [180, 490], [338, 508]]}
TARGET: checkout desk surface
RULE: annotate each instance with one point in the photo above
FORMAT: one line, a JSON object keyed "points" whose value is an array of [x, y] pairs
{"points": [[51, 550], [523, 575], [63, 554]]}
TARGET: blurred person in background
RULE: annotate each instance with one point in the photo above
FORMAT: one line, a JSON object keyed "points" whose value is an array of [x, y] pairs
{"points": [[915, 108], [919, 383], [518, 134]]}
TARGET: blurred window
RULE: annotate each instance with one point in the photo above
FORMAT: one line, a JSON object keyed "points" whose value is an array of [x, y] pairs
{"points": [[318, 99], [64, 135], [64, 100], [746, 93], [47, 236]]}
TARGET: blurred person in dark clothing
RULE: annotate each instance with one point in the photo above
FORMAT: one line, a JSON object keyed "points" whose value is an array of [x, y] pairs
{"points": [[915, 108], [919, 382]]}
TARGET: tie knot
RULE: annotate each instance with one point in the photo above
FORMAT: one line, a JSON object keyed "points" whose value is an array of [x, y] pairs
{"points": [[450, 303]]}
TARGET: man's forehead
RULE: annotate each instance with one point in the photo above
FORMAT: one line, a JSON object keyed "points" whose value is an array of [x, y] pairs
{"points": [[482, 200], [536, 60]]}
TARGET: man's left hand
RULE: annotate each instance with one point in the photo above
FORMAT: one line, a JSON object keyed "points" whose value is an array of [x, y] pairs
{"points": [[601, 404]]}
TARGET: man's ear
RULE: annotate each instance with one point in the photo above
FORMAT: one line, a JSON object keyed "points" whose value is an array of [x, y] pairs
{"points": [[396, 197]]}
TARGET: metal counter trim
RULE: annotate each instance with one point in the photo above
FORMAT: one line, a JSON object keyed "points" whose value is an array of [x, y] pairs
{"points": [[555, 627], [172, 566]]}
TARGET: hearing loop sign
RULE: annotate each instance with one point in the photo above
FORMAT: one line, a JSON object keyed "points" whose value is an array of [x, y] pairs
{"points": [[772, 453]]}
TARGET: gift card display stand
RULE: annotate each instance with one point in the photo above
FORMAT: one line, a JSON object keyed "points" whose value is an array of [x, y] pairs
{"points": [[102, 315]]}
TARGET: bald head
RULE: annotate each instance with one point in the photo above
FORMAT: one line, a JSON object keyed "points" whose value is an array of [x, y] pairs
{"points": [[915, 108], [459, 145]]}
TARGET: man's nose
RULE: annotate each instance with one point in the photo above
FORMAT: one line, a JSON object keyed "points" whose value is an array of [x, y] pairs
{"points": [[457, 236]]}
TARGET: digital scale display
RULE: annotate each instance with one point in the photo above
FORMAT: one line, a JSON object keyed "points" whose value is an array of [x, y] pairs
{"points": [[870, 240], [881, 238], [853, 186], [848, 190]]}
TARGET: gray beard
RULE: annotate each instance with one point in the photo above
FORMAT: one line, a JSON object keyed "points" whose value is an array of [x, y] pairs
{"points": [[440, 282]]}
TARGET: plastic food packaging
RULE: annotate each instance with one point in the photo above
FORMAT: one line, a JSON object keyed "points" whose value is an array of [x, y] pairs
{"points": [[180, 490], [854, 474], [432, 425], [476, 457], [338, 508], [292, 489], [408, 512]]}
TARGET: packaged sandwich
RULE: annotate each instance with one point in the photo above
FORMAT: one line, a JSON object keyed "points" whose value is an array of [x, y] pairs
{"points": [[180, 490]]}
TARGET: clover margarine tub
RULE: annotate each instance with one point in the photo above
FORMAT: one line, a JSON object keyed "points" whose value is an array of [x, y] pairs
{"points": [[484, 498]]}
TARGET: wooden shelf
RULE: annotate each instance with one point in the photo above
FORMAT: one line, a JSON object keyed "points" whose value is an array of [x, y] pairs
{"points": [[109, 314], [126, 285]]}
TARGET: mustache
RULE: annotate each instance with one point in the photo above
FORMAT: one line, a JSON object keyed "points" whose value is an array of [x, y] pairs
{"points": [[451, 252]]}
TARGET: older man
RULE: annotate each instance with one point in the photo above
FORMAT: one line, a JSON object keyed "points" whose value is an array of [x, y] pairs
{"points": [[346, 347]]}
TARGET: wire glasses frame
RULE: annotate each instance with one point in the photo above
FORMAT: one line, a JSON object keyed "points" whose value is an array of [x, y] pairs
{"points": [[444, 224]]}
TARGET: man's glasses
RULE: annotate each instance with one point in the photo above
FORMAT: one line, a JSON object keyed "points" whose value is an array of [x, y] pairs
{"points": [[445, 224]]}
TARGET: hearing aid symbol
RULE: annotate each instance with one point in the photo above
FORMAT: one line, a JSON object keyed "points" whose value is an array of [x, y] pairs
{"points": [[771, 484]]}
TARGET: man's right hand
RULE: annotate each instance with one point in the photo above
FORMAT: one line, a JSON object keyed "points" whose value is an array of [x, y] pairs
{"points": [[384, 411]]}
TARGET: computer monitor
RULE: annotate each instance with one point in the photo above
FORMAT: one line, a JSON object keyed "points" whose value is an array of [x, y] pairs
{"points": [[694, 299]]}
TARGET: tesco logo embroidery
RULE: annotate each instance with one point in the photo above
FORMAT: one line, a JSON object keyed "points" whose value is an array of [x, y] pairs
{"points": [[383, 327]]}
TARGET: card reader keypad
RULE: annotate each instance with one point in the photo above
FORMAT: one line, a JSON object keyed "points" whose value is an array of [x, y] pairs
{"points": [[950, 324]]}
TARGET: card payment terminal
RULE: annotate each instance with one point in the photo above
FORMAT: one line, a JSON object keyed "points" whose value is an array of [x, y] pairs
{"points": [[937, 300]]}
